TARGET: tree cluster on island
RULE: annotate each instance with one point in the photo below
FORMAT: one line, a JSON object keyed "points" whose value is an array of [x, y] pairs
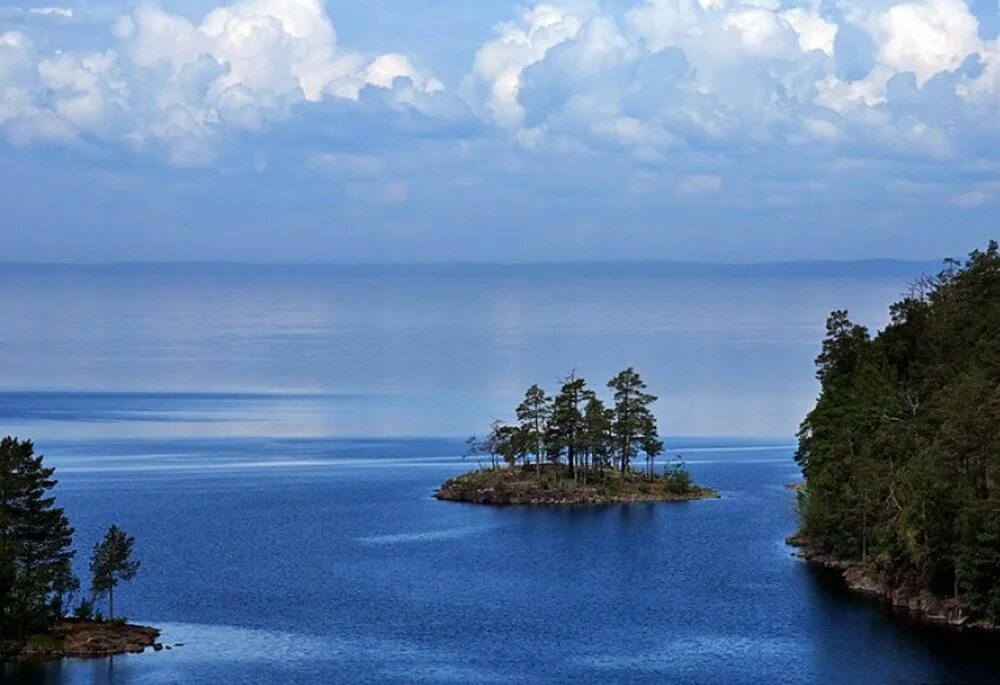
{"points": [[37, 583], [902, 452], [574, 438]]}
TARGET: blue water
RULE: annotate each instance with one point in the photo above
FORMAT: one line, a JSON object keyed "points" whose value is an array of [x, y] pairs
{"points": [[213, 416]]}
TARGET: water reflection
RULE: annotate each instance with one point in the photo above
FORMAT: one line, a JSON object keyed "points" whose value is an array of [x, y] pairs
{"points": [[413, 353]]}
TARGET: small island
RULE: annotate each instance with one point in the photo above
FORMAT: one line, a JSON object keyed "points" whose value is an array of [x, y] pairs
{"points": [[37, 585], [572, 449]]}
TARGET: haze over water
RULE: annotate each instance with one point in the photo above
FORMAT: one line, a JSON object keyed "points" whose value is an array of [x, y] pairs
{"points": [[272, 437], [414, 351]]}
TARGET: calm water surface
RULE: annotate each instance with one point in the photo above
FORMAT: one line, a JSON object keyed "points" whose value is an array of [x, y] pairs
{"points": [[207, 414]]}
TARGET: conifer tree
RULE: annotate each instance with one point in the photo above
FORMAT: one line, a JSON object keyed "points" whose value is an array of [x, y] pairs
{"points": [[567, 427], [111, 563], [598, 421], [634, 425], [35, 544], [901, 453], [533, 414]]}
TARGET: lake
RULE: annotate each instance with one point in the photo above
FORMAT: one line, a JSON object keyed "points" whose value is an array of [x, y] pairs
{"points": [[273, 438]]}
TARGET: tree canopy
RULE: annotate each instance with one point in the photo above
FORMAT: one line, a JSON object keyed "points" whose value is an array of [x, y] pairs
{"points": [[111, 563], [37, 583], [35, 544], [576, 429], [901, 453]]}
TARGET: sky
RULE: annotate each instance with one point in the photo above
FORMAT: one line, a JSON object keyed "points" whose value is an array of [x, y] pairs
{"points": [[460, 130]]}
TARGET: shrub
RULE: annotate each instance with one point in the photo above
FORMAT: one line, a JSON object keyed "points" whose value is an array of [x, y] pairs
{"points": [[676, 479], [84, 610]]}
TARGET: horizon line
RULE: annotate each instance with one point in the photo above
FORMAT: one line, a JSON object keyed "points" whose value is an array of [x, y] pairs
{"points": [[873, 261]]}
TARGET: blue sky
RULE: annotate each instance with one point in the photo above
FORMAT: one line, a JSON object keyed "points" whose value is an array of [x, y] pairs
{"points": [[419, 130]]}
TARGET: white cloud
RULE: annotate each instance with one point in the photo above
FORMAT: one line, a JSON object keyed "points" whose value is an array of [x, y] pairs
{"points": [[500, 63], [925, 38], [174, 83], [922, 37], [741, 73], [759, 30], [62, 12], [652, 80], [814, 32], [985, 88]]}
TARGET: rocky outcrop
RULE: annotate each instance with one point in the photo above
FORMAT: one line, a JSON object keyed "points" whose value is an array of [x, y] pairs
{"points": [[901, 595], [89, 640]]}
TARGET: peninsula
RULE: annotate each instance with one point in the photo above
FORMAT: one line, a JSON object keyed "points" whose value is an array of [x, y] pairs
{"points": [[900, 453], [572, 449]]}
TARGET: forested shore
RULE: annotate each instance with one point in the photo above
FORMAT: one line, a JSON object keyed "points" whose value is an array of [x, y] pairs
{"points": [[42, 614], [573, 449], [901, 453]]}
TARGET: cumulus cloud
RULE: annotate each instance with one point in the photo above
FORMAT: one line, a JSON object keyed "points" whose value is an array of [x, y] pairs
{"points": [[655, 80], [172, 83], [500, 63], [659, 75]]}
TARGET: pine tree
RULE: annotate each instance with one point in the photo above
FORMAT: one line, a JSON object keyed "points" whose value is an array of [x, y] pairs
{"points": [[112, 563], [567, 426], [506, 442], [35, 544], [533, 414], [634, 425], [598, 421]]}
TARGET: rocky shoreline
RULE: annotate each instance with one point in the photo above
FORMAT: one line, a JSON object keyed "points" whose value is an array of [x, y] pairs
{"points": [[905, 597], [502, 488], [77, 639]]}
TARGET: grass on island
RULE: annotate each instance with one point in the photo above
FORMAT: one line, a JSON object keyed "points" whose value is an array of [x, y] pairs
{"points": [[557, 484]]}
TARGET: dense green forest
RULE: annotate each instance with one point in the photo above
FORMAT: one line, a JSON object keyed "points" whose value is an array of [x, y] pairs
{"points": [[902, 452], [37, 584]]}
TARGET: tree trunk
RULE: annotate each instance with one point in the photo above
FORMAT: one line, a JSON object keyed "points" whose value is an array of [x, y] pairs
{"points": [[538, 445], [111, 603]]}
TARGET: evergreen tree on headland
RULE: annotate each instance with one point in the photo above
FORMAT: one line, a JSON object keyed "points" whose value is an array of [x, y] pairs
{"points": [[111, 563], [902, 452], [35, 545]]}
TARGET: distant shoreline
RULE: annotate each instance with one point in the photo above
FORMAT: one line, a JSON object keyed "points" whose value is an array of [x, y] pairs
{"points": [[848, 268]]}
